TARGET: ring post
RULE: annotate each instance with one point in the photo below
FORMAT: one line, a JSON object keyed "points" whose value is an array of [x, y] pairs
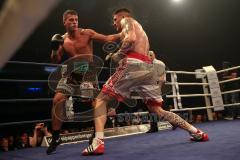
{"points": [[214, 89]]}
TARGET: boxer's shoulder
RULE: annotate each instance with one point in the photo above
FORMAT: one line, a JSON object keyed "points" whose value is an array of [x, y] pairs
{"points": [[86, 31], [65, 35]]}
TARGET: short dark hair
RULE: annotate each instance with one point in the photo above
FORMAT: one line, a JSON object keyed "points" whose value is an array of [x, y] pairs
{"points": [[69, 11], [122, 10]]}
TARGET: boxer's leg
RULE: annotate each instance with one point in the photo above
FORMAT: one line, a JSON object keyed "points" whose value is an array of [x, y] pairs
{"points": [[197, 135], [57, 110], [100, 112], [64, 88], [105, 97]]}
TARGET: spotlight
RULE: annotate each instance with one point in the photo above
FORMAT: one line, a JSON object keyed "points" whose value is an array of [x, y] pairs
{"points": [[176, 1]]}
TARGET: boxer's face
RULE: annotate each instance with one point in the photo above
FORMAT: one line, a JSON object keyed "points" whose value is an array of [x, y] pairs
{"points": [[117, 22], [71, 22]]}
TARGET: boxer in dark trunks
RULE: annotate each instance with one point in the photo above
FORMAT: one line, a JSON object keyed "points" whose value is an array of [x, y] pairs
{"points": [[76, 43]]}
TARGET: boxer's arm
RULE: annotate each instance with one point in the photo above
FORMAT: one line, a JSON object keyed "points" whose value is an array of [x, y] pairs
{"points": [[56, 56], [103, 38], [129, 36], [57, 49], [128, 39]]}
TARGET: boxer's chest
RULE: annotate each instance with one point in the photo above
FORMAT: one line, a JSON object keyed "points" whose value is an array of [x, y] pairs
{"points": [[79, 45]]}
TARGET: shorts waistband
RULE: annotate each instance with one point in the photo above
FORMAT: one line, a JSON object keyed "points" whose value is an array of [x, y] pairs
{"points": [[139, 56]]}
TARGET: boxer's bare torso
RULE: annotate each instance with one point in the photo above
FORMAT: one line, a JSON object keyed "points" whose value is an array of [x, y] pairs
{"points": [[132, 30]]}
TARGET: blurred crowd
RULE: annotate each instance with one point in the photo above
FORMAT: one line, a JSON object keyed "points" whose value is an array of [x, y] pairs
{"points": [[29, 139]]}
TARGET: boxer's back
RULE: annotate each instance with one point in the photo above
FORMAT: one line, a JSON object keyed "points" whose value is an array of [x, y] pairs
{"points": [[141, 44]]}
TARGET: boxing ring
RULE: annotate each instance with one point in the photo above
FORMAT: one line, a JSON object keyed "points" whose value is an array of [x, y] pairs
{"points": [[223, 145], [166, 144]]}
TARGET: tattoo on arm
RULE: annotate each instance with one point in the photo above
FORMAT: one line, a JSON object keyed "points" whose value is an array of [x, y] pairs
{"points": [[128, 25], [126, 46], [129, 36]]}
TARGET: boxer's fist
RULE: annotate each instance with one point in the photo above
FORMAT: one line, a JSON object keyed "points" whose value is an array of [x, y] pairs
{"points": [[56, 41], [116, 57], [108, 56]]}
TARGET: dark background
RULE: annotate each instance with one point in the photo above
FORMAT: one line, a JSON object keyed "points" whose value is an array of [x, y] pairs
{"points": [[186, 36]]}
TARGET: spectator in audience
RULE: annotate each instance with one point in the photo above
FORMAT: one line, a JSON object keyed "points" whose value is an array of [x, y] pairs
{"points": [[11, 143], [4, 144], [231, 112], [65, 131], [40, 130], [22, 141], [111, 113]]}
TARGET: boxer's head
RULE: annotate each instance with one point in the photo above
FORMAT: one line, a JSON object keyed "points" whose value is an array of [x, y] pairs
{"points": [[118, 15], [70, 20]]}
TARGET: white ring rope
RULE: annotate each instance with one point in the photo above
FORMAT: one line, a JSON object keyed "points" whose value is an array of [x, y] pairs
{"points": [[184, 72], [35, 80], [231, 91], [121, 114], [31, 99], [229, 80], [43, 64], [26, 100], [135, 114], [191, 108], [34, 63], [40, 81], [23, 80], [24, 122], [233, 104], [228, 69], [185, 84], [200, 108], [187, 95], [48, 120]]}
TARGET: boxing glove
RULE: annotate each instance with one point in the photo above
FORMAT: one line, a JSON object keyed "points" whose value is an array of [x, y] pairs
{"points": [[56, 41]]}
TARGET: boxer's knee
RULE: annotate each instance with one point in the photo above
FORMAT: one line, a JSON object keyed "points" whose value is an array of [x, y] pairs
{"points": [[58, 99], [153, 103], [155, 106], [93, 103], [102, 97], [58, 106]]}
